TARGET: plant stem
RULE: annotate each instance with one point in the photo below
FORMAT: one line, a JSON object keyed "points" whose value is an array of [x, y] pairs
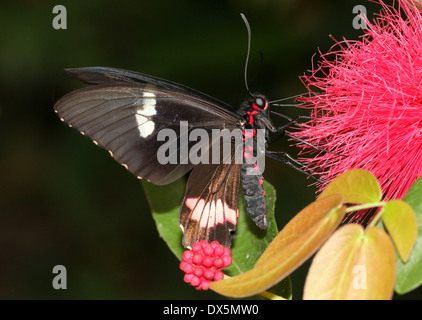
{"points": [[366, 206], [376, 219]]}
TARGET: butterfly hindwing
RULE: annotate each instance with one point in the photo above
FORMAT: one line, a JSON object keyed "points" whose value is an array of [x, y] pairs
{"points": [[210, 207], [124, 111]]}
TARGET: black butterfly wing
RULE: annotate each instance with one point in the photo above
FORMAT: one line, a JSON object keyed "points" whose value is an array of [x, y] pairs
{"points": [[124, 111], [103, 75], [210, 207]]}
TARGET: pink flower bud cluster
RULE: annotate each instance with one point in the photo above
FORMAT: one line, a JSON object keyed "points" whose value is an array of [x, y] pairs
{"points": [[204, 262]]}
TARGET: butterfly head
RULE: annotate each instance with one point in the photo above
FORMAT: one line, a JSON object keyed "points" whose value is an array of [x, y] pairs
{"points": [[255, 110], [259, 102]]}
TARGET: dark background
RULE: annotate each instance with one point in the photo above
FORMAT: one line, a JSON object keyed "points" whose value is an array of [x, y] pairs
{"points": [[65, 201]]}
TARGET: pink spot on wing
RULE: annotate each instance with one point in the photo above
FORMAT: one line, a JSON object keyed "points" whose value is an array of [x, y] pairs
{"points": [[205, 215], [196, 206], [219, 212], [211, 213], [191, 202], [231, 214]]}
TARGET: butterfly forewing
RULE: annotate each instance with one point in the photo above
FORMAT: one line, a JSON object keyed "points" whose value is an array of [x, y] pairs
{"points": [[124, 116], [103, 75]]}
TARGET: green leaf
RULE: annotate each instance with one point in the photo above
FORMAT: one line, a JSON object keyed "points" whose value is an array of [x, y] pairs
{"points": [[409, 274], [248, 245], [250, 241], [165, 204], [356, 186], [402, 226]]}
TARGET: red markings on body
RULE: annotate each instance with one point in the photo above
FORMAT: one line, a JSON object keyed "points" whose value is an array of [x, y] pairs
{"points": [[251, 114], [248, 134]]}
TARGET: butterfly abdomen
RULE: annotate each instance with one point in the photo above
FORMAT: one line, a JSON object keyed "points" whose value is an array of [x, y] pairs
{"points": [[254, 195], [252, 180]]}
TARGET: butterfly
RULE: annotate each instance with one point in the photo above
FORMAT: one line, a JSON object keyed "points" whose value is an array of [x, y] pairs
{"points": [[124, 111]]}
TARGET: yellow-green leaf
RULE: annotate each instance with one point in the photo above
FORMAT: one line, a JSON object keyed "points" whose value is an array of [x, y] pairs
{"points": [[353, 264], [300, 238], [356, 185], [401, 223]]}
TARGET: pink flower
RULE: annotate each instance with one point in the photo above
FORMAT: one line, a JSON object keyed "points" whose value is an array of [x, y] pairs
{"points": [[204, 262], [366, 101]]}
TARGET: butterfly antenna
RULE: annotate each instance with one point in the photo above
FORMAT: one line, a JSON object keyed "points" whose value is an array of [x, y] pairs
{"points": [[248, 28], [261, 62], [287, 98]]}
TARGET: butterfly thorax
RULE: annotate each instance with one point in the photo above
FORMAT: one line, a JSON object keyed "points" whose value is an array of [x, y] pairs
{"points": [[255, 112]]}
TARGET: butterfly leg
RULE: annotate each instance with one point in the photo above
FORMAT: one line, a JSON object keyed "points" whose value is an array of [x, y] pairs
{"points": [[291, 162], [283, 133], [291, 120]]}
